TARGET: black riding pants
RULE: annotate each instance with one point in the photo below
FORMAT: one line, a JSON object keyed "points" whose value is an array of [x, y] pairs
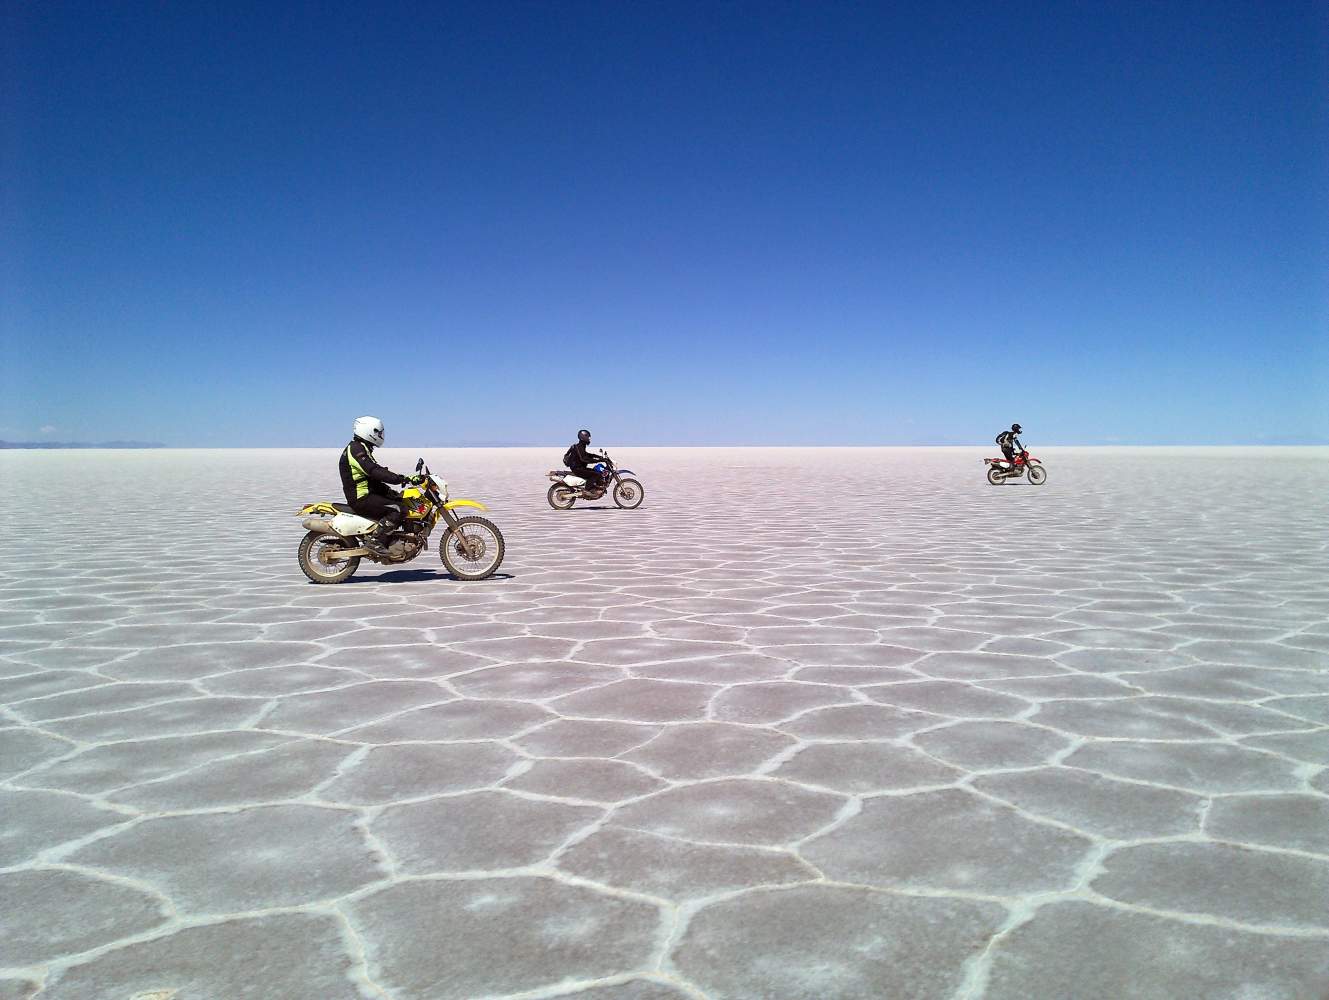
{"points": [[1009, 452], [589, 474], [380, 508]]}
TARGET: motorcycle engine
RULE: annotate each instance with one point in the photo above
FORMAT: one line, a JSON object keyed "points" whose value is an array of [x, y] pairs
{"points": [[403, 548]]}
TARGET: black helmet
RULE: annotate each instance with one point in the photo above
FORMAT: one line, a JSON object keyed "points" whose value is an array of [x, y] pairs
{"points": [[1015, 428], [584, 436]]}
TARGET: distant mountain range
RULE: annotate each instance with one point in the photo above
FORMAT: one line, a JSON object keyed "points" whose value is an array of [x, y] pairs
{"points": [[31, 445]]}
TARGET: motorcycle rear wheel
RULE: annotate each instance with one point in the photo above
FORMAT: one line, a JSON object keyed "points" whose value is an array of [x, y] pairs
{"points": [[994, 476], [1037, 475], [473, 549], [561, 496], [320, 572], [628, 494]]}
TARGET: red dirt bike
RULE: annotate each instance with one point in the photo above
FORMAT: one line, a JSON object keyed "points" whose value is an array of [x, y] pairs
{"points": [[1024, 465]]}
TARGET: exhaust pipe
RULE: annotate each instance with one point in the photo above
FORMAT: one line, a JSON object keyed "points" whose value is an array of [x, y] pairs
{"points": [[317, 524]]}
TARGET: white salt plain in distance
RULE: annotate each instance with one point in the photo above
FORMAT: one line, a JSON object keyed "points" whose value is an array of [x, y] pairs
{"points": [[818, 723]]}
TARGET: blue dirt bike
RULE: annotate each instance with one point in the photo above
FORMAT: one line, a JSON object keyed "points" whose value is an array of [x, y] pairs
{"points": [[568, 489]]}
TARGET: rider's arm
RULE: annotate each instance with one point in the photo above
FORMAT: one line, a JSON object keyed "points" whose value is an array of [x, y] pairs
{"points": [[585, 456], [373, 470]]}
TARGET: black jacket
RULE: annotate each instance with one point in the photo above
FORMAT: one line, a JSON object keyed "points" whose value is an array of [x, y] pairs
{"points": [[370, 477], [579, 455], [1007, 439]]}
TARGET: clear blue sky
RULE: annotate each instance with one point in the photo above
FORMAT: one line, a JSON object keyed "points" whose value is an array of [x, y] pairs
{"points": [[767, 223]]}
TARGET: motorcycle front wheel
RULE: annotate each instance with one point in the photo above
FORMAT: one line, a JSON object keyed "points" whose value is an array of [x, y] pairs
{"points": [[1037, 475], [994, 476], [628, 494], [317, 542], [473, 549], [561, 497]]}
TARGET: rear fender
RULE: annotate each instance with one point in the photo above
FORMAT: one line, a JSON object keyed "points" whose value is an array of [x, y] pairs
{"points": [[322, 507], [454, 504]]}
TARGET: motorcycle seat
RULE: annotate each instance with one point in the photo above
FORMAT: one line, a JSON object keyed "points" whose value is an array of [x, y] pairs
{"points": [[345, 508]]}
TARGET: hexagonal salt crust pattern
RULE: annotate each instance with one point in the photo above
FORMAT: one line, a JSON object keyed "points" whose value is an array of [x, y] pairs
{"points": [[810, 724]]}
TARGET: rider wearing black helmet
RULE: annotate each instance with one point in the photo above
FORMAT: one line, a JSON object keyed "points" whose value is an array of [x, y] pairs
{"points": [[1010, 442], [580, 459]]}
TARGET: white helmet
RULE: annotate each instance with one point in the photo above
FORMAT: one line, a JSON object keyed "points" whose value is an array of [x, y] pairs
{"points": [[369, 430]]}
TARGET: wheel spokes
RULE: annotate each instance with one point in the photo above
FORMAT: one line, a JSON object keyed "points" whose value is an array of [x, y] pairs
{"points": [[474, 546]]}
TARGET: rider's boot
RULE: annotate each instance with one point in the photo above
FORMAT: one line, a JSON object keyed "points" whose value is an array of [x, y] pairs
{"points": [[376, 540]]}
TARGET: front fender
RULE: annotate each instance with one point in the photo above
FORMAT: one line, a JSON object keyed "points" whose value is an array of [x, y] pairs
{"points": [[454, 504], [625, 472]]}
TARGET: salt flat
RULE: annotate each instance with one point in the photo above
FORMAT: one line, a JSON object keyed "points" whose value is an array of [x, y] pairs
{"points": [[810, 724]]}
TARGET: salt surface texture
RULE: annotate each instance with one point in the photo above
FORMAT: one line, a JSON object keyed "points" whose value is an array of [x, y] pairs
{"points": [[810, 724]]}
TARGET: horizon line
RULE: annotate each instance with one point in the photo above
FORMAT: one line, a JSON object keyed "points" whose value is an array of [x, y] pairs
{"points": [[115, 446]]}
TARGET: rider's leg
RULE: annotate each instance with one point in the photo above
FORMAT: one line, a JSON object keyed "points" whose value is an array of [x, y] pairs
{"points": [[387, 513]]}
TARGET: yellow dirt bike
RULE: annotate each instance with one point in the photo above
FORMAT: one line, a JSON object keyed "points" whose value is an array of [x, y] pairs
{"points": [[471, 547]]}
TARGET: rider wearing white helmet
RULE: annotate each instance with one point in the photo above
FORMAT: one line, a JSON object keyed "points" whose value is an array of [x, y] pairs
{"points": [[366, 483]]}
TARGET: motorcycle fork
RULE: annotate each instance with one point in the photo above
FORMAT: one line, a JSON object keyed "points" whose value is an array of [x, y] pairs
{"points": [[451, 520]]}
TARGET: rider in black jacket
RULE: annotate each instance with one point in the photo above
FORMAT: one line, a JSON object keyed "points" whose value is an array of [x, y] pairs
{"points": [[580, 459], [1010, 443], [366, 483]]}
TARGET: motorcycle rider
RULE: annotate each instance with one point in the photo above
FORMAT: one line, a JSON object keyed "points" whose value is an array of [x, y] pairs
{"points": [[580, 460], [366, 483], [1010, 443]]}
